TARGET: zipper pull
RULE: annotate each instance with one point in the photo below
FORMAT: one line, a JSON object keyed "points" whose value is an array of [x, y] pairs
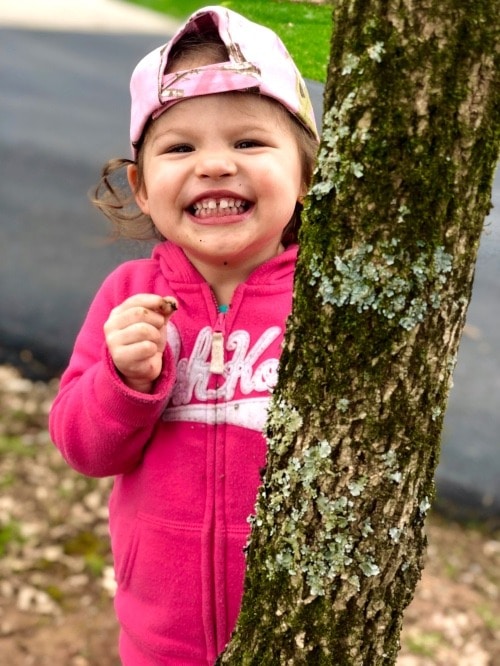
{"points": [[217, 358]]}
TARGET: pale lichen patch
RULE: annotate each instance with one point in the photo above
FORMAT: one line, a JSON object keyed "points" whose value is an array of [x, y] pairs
{"points": [[436, 413], [356, 487], [330, 168], [424, 506], [376, 51], [351, 63], [369, 568], [285, 421], [395, 534], [384, 280], [342, 404]]}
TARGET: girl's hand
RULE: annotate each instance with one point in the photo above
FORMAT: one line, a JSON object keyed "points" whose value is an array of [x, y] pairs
{"points": [[135, 334]]}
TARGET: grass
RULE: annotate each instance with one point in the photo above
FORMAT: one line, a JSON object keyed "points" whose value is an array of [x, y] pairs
{"points": [[91, 547], [424, 644], [304, 27], [9, 532], [14, 444], [489, 618]]}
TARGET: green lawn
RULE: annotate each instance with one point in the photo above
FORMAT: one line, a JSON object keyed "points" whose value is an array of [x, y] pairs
{"points": [[305, 27]]}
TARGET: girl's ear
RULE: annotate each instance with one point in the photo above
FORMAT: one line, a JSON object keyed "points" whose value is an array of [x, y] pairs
{"points": [[140, 194]]}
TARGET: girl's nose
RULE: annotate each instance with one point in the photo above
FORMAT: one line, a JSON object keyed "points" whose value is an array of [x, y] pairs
{"points": [[215, 165]]}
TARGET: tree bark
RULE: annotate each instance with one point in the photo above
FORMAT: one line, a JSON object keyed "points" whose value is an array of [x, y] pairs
{"points": [[388, 247]]}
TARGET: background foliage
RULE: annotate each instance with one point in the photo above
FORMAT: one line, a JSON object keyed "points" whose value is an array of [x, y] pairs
{"points": [[304, 27]]}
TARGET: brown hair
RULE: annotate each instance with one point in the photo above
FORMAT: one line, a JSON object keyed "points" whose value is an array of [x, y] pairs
{"points": [[112, 194]]}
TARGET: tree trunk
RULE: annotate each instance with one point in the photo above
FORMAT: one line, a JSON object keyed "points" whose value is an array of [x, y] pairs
{"points": [[388, 248]]}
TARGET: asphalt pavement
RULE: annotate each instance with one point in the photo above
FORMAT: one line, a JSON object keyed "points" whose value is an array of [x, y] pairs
{"points": [[64, 110]]}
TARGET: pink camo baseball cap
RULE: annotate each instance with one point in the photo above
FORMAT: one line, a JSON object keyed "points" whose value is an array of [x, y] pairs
{"points": [[258, 61]]}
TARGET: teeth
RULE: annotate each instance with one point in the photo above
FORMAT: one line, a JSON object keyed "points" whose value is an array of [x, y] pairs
{"points": [[224, 206]]}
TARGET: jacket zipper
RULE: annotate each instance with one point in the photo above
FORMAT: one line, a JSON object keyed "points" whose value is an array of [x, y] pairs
{"points": [[217, 368]]}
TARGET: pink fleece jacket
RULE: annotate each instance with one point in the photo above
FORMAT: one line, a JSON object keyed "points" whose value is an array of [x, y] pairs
{"points": [[186, 458]]}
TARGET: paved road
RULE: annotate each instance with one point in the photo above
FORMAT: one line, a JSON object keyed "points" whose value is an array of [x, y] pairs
{"points": [[468, 477], [64, 111]]}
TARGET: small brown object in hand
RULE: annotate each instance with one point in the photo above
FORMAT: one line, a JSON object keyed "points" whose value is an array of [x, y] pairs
{"points": [[168, 305]]}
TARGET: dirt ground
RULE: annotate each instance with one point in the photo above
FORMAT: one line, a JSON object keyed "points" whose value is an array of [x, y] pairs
{"points": [[56, 575]]}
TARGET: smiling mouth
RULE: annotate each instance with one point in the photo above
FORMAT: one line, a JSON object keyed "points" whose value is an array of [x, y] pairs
{"points": [[219, 207]]}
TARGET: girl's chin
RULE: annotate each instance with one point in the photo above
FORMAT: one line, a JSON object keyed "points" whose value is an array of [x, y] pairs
{"points": [[232, 254], [222, 254]]}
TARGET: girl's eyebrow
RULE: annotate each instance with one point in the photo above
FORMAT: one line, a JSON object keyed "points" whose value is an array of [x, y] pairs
{"points": [[170, 134], [190, 134]]}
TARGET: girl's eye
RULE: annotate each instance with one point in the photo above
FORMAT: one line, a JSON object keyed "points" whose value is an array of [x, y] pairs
{"points": [[180, 148], [248, 143]]}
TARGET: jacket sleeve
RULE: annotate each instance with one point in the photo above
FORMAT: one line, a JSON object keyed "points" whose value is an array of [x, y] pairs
{"points": [[99, 424]]}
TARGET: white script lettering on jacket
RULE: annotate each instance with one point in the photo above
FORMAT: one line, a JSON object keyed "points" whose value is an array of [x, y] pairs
{"points": [[242, 367]]}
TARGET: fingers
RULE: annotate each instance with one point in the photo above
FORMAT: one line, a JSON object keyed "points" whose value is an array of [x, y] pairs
{"points": [[138, 360], [147, 308], [135, 336], [144, 335]]}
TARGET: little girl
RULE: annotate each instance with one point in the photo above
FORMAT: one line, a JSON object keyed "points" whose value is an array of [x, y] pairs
{"points": [[168, 385]]}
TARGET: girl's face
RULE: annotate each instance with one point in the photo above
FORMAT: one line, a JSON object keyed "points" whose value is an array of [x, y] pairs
{"points": [[222, 176]]}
